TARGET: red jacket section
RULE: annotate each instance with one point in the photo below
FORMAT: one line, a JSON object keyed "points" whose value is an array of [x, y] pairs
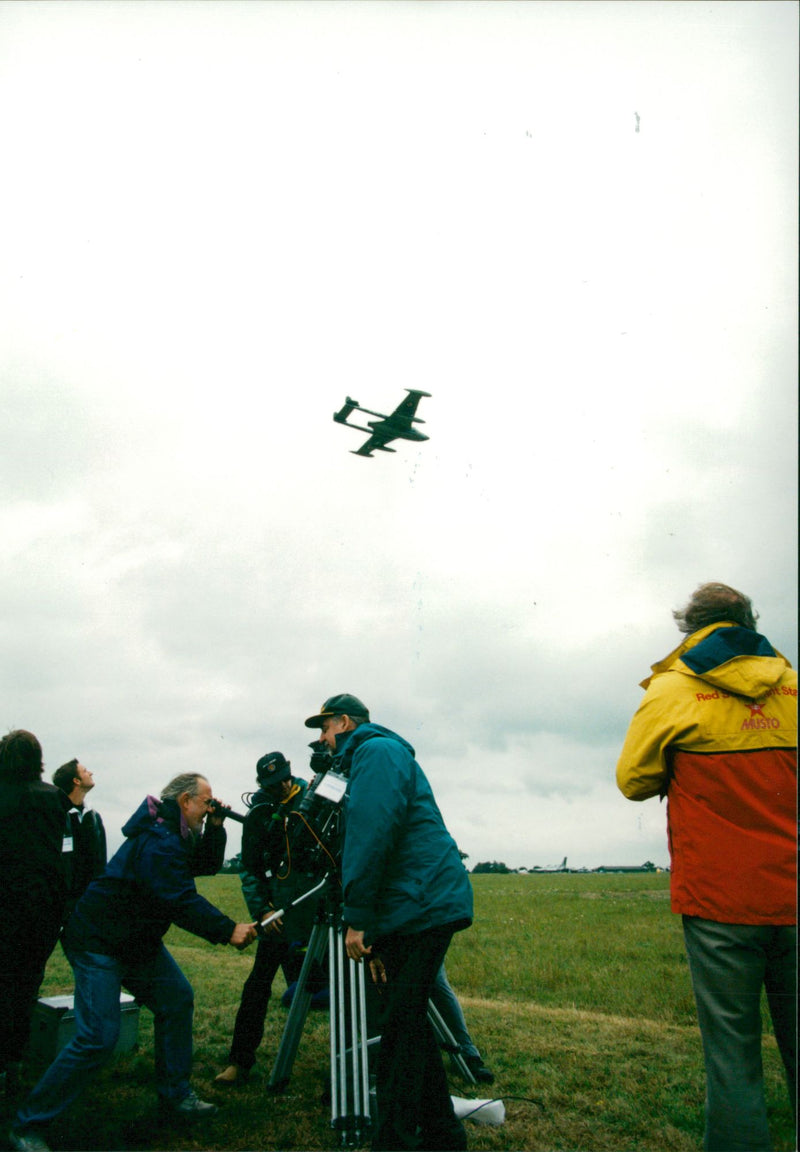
{"points": [[717, 733]]}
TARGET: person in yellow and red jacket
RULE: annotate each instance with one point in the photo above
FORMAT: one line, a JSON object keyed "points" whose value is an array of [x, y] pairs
{"points": [[716, 733]]}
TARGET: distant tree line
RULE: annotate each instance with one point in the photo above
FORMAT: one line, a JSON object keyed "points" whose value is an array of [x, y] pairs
{"points": [[496, 867], [499, 868]]}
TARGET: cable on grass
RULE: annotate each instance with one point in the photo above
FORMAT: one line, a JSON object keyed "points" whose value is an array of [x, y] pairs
{"points": [[502, 1100], [527, 1100]]}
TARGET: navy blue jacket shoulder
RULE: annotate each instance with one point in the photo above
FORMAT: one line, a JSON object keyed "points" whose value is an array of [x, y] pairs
{"points": [[148, 885]]}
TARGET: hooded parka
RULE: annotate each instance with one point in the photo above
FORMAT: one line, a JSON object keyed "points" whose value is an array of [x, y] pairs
{"points": [[401, 869], [148, 885]]}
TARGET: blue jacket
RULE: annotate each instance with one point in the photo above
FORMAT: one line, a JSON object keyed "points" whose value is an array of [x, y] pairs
{"points": [[401, 869], [148, 885]]}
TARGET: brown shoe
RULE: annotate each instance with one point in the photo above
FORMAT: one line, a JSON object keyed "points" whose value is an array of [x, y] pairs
{"points": [[232, 1075]]}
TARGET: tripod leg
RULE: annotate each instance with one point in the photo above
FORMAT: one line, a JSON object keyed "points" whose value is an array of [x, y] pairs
{"points": [[355, 1047], [338, 1083], [290, 1040], [353, 1061], [363, 1042], [447, 1041]]}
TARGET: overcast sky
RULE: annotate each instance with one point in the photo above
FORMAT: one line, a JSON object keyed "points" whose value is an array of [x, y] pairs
{"points": [[574, 224]]}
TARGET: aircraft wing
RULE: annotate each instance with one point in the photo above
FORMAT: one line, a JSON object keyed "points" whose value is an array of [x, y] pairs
{"points": [[366, 448], [407, 408]]}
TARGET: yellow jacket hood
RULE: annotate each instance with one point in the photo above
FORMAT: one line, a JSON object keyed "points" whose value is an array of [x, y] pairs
{"points": [[741, 662]]}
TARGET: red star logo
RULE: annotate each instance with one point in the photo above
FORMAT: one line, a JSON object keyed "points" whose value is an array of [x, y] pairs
{"points": [[755, 710]]}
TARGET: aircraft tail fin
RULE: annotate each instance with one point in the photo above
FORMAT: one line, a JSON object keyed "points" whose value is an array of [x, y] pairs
{"points": [[349, 406]]}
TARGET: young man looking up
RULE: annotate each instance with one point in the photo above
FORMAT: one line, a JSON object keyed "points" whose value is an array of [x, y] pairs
{"points": [[84, 853]]}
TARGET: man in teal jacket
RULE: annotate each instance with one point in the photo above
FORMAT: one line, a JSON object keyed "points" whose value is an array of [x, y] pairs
{"points": [[406, 892]]}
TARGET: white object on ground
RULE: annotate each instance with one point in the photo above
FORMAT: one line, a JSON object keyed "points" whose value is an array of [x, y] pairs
{"points": [[481, 1111]]}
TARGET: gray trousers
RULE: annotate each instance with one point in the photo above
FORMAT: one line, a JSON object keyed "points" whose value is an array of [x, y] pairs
{"points": [[730, 964]]}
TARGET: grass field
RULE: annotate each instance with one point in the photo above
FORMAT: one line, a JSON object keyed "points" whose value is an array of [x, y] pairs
{"points": [[575, 987]]}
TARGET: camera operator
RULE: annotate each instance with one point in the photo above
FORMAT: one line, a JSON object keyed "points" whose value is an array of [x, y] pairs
{"points": [[114, 939], [406, 892], [269, 879]]}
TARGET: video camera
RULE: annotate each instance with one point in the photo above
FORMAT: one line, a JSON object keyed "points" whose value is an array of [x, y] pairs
{"points": [[317, 833]]}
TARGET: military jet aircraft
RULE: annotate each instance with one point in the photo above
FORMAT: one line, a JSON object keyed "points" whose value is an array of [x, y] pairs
{"points": [[398, 426]]}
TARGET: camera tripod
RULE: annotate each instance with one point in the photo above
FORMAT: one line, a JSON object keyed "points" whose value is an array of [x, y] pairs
{"points": [[349, 1039]]}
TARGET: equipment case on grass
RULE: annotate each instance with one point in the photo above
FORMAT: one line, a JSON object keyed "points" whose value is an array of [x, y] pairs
{"points": [[54, 1026]]}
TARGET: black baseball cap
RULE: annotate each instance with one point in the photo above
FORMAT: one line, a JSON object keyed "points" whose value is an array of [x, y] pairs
{"points": [[341, 705], [272, 768]]}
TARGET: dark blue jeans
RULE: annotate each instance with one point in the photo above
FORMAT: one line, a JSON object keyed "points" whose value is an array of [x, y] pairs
{"points": [[445, 1000], [160, 985]]}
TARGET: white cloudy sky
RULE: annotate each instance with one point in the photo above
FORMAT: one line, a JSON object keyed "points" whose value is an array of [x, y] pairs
{"points": [[218, 219]]}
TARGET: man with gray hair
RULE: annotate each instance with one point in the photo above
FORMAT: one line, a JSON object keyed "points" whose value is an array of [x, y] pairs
{"points": [[114, 940], [716, 733]]}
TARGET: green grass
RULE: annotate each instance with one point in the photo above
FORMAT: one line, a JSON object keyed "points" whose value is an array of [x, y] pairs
{"points": [[575, 988]]}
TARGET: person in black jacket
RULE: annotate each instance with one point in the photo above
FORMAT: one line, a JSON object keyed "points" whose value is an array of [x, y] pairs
{"points": [[268, 880], [32, 826], [114, 940], [84, 853]]}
